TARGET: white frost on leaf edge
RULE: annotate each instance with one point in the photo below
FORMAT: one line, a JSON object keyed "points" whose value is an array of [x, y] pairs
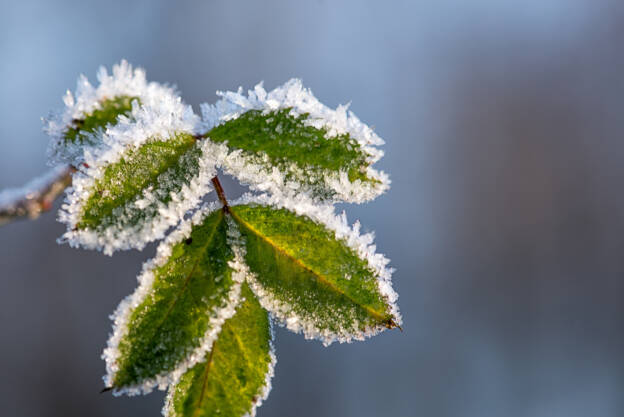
{"points": [[240, 251], [124, 81], [361, 244], [161, 121], [257, 172], [168, 410], [266, 388], [122, 314], [236, 242]]}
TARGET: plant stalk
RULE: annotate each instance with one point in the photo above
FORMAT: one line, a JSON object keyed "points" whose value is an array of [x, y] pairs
{"points": [[32, 202], [220, 194]]}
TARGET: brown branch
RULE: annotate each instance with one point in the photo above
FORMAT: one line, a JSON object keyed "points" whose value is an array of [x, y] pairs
{"points": [[220, 194], [34, 198]]}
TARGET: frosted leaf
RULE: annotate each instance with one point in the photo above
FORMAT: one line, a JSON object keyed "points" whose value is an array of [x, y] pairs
{"points": [[235, 377], [89, 110], [312, 271], [185, 295], [149, 171], [140, 162], [287, 141]]}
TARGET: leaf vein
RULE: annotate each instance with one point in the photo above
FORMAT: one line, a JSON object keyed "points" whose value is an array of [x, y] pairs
{"points": [[318, 275], [186, 281]]}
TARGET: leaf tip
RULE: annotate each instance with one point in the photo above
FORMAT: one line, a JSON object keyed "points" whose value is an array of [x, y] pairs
{"points": [[392, 324]]}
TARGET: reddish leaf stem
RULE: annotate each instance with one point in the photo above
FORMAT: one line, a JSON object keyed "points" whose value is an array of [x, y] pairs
{"points": [[220, 194]]}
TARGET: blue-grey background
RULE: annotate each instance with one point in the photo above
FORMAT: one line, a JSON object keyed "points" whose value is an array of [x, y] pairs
{"points": [[504, 124]]}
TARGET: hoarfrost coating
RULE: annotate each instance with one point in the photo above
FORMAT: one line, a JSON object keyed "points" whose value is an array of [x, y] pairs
{"points": [[243, 274], [122, 315], [162, 121], [124, 81], [301, 101], [257, 172], [168, 408], [363, 246], [151, 112]]}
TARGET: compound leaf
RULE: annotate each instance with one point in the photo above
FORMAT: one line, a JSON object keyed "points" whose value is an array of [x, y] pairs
{"points": [[311, 280], [234, 377], [185, 295]]}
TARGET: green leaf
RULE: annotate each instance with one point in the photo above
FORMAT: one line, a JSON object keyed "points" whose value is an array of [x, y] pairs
{"points": [[133, 201], [106, 114], [137, 170], [333, 168], [309, 279], [234, 377], [181, 302]]}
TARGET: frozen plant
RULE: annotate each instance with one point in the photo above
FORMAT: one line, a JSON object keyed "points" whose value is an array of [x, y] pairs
{"points": [[136, 163]]}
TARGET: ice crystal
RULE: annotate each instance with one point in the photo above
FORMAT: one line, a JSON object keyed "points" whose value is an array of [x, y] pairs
{"points": [[361, 244], [140, 162], [123, 82], [257, 170], [121, 316], [162, 121]]}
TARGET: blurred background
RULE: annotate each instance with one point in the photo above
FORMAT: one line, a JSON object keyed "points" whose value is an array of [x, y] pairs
{"points": [[505, 221]]}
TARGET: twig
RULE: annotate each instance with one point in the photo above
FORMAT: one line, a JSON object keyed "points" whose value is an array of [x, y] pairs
{"points": [[35, 197]]}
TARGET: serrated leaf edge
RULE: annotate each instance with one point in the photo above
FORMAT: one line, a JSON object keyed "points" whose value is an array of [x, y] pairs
{"points": [[266, 388], [168, 410], [122, 314], [362, 245], [114, 238], [292, 95], [124, 81], [237, 244], [256, 171]]}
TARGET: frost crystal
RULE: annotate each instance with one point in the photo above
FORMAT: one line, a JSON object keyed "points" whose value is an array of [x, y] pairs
{"points": [[123, 82], [162, 121], [241, 274], [122, 315], [140, 161], [361, 244], [256, 171], [266, 389]]}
